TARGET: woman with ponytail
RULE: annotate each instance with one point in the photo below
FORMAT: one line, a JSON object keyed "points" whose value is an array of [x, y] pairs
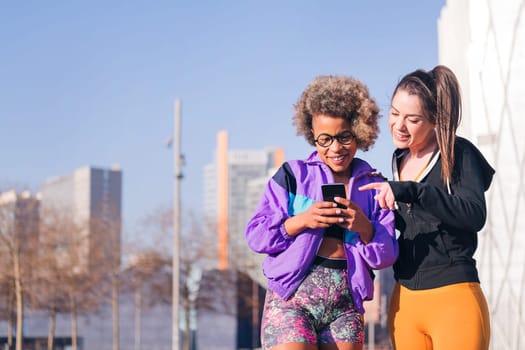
{"points": [[438, 194]]}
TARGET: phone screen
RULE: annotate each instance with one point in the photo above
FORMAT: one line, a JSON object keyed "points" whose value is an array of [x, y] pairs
{"points": [[334, 190]]}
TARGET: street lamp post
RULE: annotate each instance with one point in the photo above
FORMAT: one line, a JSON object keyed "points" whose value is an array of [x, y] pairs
{"points": [[177, 177]]}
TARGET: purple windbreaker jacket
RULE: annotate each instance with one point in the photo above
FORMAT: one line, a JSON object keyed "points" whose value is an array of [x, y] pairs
{"points": [[292, 190]]}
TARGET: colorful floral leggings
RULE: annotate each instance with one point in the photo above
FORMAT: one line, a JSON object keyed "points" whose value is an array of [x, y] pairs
{"points": [[320, 311]]}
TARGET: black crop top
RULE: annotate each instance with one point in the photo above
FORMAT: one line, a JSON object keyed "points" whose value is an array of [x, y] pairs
{"points": [[335, 231]]}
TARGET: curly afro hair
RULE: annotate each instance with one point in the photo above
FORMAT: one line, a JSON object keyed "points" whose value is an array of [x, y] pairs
{"points": [[338, 96]]}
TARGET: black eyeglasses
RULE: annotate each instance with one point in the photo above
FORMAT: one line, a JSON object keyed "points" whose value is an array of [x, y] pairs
{"points": [[345, 138]]}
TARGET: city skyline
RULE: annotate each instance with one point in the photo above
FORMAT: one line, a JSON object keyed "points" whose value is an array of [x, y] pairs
{"points": [[86, 84]]}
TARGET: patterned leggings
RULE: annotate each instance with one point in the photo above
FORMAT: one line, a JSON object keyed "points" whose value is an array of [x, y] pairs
{"points": [[320, 311]]}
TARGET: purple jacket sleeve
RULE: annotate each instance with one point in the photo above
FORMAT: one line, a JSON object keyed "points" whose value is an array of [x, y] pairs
{"points": [[382, 251], [265, 231]]}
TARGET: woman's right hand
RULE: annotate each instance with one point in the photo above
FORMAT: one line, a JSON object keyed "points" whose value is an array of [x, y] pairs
{"points": [[385, 197], [318, 215]]}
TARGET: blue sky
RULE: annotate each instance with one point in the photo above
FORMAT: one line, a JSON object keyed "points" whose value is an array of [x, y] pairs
{"points": [[94, 82]]}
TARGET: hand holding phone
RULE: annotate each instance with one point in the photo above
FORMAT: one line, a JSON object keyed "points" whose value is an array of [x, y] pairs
{"points": [[334, 190]]}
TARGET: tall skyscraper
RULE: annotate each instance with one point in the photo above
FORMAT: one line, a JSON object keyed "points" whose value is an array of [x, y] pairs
{"points": [[227, 194], [483, 41], [92, 199]]}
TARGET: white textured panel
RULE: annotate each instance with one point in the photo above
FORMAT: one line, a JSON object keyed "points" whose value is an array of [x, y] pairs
{"points": [[495, 56]]}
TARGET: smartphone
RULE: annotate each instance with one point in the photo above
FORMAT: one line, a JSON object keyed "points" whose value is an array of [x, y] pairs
{"points": [[334, 190]]}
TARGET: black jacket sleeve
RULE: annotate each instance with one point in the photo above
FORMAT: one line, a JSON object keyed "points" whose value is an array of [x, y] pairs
{"points": [[465, 207]]}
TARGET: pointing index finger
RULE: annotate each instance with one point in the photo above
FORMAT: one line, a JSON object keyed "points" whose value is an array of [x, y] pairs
{"points": [[370, 186]]}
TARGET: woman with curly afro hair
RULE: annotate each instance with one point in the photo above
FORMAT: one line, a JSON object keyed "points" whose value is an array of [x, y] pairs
{"points": [[320, 251]]}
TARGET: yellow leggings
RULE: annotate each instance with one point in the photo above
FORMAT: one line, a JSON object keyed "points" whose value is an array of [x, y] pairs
{"points": [[445, 318]]}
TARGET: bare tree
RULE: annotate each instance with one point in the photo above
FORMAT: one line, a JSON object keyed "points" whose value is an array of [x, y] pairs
{"points": [[237, 290], [18, 232], [147, 275], [80, 264], [82, 285], [149, 270], [147, 267], [204, 287], [194, 255], [76, 279], [105, 258], [7, 296], [56, 244]]}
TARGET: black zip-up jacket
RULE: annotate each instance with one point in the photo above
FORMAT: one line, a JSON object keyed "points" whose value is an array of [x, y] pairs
{"points": [[438, 222]]}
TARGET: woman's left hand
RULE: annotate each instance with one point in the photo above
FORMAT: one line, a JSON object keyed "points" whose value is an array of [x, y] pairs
{"points": [[355, 220]]}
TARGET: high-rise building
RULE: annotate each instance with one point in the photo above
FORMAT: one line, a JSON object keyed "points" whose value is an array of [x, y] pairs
{"points": [[483, 41], [227, 195], [91, 199]]}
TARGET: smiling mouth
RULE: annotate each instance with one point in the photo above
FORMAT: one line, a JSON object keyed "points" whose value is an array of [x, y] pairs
{"points": [[401, 136], [338, 158]]}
